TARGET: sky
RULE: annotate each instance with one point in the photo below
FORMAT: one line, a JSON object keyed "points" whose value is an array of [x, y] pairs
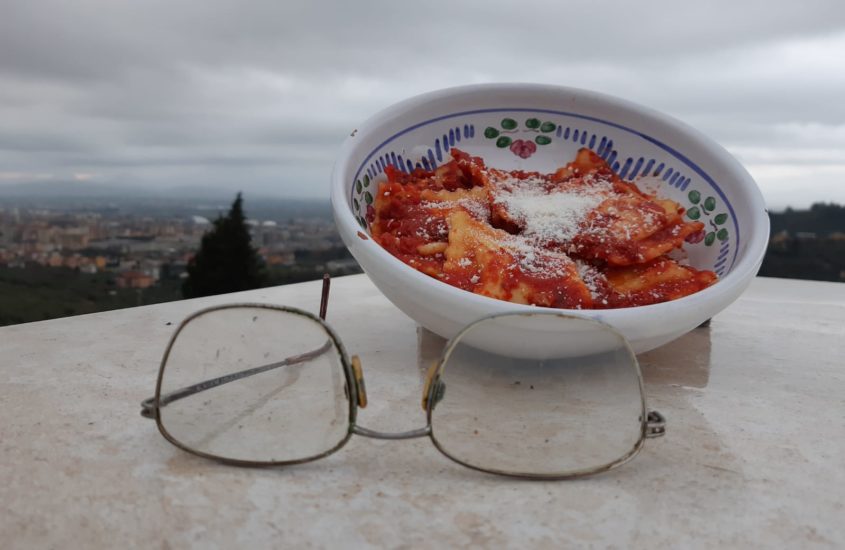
{"points": [[258, 95]]}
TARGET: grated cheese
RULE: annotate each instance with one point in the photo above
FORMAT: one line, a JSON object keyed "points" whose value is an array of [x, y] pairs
{"points": [[592, 277], [549, 216]]}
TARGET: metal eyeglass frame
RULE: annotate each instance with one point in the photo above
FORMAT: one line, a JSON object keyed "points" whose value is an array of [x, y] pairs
{"points": [[652, 424]]}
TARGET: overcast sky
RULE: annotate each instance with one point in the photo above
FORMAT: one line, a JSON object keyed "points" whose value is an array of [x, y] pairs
{"points": [[258, 96]]}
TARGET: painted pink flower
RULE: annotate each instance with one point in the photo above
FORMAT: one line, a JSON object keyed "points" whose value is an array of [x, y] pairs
{"points": [[695, 237], [523, 148]]}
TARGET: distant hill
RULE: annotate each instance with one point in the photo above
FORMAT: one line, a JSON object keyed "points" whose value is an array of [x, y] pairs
{"points": [[41, 189], [87, 189], [182, 201], [807, 244], [821, 219]]}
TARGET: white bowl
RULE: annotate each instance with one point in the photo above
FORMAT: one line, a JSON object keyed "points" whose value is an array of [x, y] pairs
{"points": [[652, 149]]}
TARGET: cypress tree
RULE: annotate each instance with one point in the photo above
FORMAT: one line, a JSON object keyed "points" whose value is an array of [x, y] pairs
{"points": [[226, 261]]}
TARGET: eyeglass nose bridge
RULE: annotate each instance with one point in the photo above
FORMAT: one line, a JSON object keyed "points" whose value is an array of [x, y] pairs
{"points": [[430, 379]]}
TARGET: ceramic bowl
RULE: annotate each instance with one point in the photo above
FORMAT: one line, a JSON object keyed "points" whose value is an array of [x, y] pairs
{"points": [[539, 127]]}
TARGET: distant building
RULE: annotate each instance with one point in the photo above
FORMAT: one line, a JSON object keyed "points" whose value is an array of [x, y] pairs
{"points": [[72, 238], [134, 279], [55, 260], [780, 237], [281, 258]]}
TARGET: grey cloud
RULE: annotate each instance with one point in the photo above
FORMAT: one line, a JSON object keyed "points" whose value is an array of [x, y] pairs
{"points": [[90, 38], [163, 93]]}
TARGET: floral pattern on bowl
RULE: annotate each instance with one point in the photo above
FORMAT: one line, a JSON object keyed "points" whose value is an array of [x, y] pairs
{"points": [[553, 138]]}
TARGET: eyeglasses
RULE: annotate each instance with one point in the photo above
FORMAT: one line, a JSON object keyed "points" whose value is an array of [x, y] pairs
{"points": [[264, 385]]}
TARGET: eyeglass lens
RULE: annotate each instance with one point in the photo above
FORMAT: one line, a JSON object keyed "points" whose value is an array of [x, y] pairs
{"points": [[272, 386], [565, 399]]}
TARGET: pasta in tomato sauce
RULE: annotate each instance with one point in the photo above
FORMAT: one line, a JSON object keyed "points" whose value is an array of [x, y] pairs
{"points": [[578, 238]]}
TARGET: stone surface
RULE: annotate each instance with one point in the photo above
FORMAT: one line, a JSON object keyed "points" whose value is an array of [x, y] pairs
{"points": [[752, 458]]}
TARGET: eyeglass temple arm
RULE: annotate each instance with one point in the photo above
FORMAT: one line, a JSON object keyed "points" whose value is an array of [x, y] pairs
{"points": [[148, 405], [324, 295]]}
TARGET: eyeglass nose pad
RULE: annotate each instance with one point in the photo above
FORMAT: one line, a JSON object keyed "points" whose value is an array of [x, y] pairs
{"points": [[439, 387], [358, 373]]}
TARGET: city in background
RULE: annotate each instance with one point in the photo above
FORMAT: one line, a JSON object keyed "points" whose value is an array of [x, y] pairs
{"points": [[100, 254], [70, 256]]}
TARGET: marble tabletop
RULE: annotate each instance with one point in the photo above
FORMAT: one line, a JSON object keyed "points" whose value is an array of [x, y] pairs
{"points": [[753, 455]]}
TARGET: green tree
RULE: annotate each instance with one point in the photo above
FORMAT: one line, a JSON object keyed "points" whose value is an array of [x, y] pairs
{"points": [[226, 260]]}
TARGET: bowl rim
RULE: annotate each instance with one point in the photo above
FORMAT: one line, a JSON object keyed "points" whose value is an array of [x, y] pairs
{"points": [[737, 278]]}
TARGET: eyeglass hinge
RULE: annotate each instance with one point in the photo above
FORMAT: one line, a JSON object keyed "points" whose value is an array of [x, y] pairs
{"points": [[430, 378], [148, 408], [358, 373], [655, 425]]}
